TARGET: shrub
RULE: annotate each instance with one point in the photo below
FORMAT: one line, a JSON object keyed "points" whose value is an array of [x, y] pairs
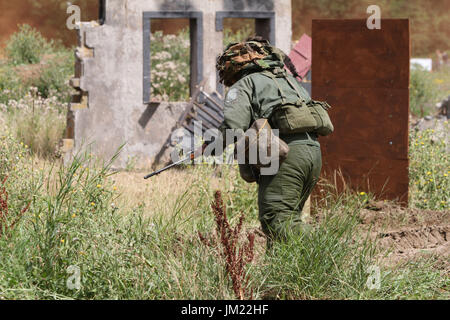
{"points": [[11, 86], [54, 76], [34, 61], [36, 122], [26, 46], [429, 170], [422, 92], [170, 66], [170, 59], [240, 35]]}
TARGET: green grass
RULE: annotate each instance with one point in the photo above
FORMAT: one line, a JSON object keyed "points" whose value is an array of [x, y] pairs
{"points": [[125, 253], [428, 88], [429, 171]]}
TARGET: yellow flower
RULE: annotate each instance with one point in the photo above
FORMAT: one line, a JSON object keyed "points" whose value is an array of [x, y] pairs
{"points": [[62, 240], [445, 175], [431, 180], [92, 203], [114, 188], [429, 172], [74, 215], [99, 186], [362, 193], [425, 200]]}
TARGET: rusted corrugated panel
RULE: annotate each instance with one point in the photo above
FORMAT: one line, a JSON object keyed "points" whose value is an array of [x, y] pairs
{"points": [[364, 75]]}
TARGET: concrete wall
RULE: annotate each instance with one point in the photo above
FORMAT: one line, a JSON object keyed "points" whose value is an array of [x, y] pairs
{"points": [[109, 109]]}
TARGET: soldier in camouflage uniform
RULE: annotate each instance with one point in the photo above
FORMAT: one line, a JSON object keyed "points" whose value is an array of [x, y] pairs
{"points": [[253, 93]]}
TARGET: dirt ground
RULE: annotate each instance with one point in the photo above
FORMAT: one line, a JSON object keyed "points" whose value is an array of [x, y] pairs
{"points": [[408, 234]]}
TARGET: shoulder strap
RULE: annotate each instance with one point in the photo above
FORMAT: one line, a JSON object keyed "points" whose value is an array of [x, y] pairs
{"points": [[272, 76], [294, 87]]}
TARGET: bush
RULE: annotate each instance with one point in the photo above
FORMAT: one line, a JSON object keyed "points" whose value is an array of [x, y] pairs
{"points": [[170, 66], [429, 170], [422, 92], [54, 77], [26, 46], [240, 35], [36, 122], [34, 61], [170, 72], [11, 85]]}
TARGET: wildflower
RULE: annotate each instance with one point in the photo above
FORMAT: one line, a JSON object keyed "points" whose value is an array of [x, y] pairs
{"points": [[74, 215], [425, 200], [445, 175], [99, 186], [429, 172], [362, 193], [92, 203], [114, 188], [62, 240]]}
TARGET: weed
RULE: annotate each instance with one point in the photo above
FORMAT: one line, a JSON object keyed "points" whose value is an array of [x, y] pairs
{"points": [[236, 258]]}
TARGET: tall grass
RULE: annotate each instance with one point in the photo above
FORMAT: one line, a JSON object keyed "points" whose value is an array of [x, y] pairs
{"points": [[36, 122], [429, 170]]}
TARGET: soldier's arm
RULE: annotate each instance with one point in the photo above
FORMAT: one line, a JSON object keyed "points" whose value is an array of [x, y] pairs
{"points": [[238, 111]]}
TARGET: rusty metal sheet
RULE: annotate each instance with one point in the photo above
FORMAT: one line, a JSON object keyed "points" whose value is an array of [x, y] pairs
{"points": [[364, 75]]}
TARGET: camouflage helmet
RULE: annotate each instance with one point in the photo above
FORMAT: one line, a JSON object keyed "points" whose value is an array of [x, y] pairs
{"points": [[238, 55]]}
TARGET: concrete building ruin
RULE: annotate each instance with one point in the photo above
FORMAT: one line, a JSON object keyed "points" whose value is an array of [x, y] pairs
{"points": [[112, 72]]}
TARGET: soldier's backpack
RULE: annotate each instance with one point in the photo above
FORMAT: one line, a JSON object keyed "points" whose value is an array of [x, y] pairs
{"points": [[302, 116]]}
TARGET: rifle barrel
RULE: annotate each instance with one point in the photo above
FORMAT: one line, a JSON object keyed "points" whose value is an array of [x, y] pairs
{"points": [[189, 157]]}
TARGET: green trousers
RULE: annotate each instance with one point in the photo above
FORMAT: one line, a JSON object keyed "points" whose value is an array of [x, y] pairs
{"points": [[281, 197]]}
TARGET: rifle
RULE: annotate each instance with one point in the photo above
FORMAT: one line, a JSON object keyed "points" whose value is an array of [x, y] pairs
{"points": [[190, 156]]}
